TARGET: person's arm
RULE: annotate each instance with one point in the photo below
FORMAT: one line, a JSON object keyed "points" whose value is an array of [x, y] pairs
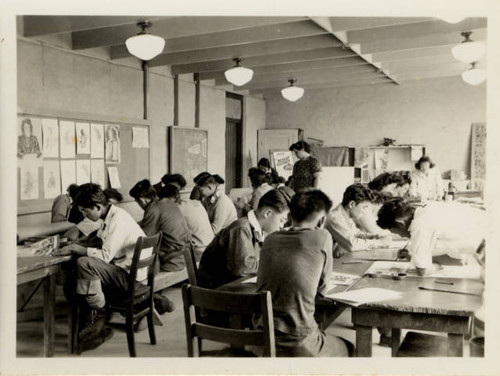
{"points": [[326, 273], [114, 237], [150, 221], [222, 211], [413, 191], [242, 256], [345, 234], [59, 210], [423, 242], [316, 170], [317, 179]]}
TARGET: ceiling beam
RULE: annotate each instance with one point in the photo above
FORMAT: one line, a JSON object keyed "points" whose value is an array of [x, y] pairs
{"points": [[418, 62], [171, 28], [354, 23], [418, 76], [292, 67], [234, 37], [413, 53], [246, 50], [270, 59]]}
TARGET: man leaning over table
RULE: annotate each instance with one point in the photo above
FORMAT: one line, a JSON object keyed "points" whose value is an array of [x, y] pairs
{"points": [[102, 271], [451, 231]]}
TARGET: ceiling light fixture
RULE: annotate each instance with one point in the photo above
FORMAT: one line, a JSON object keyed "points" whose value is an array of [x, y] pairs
{"points": [[238, 75], [468, 51], [474, 76], [292, 93], [143, 45], [452, 18]]}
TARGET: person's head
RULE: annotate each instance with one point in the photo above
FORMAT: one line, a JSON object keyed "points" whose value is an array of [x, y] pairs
{"points": [[403, 182], [143, 193], [301, 149], [309, 207], [170, 192], [113, 195], [356, 200], [258, 177], [383, 182], [207, 183], [396, 215], [272, 211], [91, 201], [264, 165], [72, 190], [176, 179], [26, 127], [424, 164]]}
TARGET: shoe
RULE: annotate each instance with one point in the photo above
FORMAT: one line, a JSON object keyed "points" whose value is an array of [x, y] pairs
{"points": [[385, 341], [93, 342], [93, 323], [141, 325], [163, 304]]}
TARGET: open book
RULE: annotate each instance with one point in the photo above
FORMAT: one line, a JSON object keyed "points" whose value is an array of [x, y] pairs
{"points": [[44, 247]]}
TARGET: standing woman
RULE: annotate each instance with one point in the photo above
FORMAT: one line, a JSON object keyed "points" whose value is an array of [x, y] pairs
{"points": [[307, 170], [220, 208], [426, 182]]}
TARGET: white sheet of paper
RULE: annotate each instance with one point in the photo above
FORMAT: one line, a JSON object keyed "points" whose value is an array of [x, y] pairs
{"points": [[50, 130], [29, 140], [112, 136], [140, 137], [345, 279], [453, 271], [82, 171], [367, 295], [416, 152], [82, 138], [96, 140], [51, 179], [114, 178], [390, 267], [97, 175], [251, 280], [381, 159], [68, 173], [68, 140], [29, 182]]}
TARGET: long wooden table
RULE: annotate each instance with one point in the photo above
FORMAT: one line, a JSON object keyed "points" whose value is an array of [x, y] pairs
{"points": [[45, 268]]}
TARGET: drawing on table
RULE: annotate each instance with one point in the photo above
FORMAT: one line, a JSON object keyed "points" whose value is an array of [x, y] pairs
{"points": [[96, 140], [68, 140], [51, 179], [82, 137], [29, 136], [50, 138], [112, 143]]}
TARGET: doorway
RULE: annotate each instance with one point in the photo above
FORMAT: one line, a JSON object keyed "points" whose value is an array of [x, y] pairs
{"points": [[234, 141]]}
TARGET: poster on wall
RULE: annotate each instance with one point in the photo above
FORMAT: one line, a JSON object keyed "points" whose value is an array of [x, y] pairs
{"points": [[283, 162], [82, 171], [140, 137], [112, 135], [28, 182], [96, 140], [97, 172], [381, 159], [51, 179], [114, 178], [82, 138], [362, 157], [29, 137], [50, 130], [68, 174], [478, 156], [68, 140]]}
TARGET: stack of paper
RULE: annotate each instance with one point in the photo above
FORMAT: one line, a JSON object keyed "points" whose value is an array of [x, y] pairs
{"points": [[362, 296], [43, 247], [343, 278]]}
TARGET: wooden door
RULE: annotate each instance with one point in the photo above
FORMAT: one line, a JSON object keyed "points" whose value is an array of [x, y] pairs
{"points": [[234, 155]]}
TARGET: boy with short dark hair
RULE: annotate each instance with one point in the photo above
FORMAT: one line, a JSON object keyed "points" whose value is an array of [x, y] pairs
{"points": [[295, 266]]}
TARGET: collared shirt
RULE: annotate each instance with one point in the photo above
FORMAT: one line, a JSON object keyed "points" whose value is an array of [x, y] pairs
{"points": [[445, 228], [198, 223], [221, 210], [258, 193], [428, 187], [346, 236], [119, 234], [233, 253]]}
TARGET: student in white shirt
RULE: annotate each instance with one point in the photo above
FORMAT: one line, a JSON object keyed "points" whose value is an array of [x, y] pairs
{"points": [[437, 229]]}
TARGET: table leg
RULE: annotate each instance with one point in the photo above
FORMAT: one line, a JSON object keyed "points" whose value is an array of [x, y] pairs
{"points": [[363, 341], [49, 302], [395, 341], [455, 344]]}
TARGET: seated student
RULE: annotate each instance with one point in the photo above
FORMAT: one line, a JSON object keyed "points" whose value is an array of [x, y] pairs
{"points": [[260, 184], [196, 218], [295, 266], [163, 216], [386, 182], [340, 222], [234, 252], [403, 183], [368, 221], [62, 204], [437, 229], [265, 166], [220, 208], [103, 271]]}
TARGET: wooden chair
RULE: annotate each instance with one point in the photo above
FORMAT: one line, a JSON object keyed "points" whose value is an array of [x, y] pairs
{"points": [[190, 261], [230, 303]]}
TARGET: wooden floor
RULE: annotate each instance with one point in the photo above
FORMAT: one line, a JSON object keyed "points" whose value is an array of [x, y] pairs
{"points": [[171, 341]]}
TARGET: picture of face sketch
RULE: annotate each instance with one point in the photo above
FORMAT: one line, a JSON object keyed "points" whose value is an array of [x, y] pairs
{"points": [[28, 140], [112, 144]]}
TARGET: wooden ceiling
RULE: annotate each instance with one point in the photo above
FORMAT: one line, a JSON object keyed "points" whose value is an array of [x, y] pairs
{"points": [[320, 52]]}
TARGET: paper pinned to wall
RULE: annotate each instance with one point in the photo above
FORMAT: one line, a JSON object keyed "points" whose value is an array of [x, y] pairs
{"points": [[68, 139], [29, 140], [114, 178], [283, 162], [51, 179], [381, 159], [68, 173], [140, 137], [362, 157], [29, 181], [82, 171], [50, 131], [113, 146], [82, 138], [96, 140], [97, 175], [416, 152]]}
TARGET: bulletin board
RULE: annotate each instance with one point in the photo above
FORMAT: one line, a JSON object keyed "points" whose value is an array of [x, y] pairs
{"points": [[188, 153], [133, 165]]}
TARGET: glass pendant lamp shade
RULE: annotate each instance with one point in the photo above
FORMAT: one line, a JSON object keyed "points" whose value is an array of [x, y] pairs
{"points": [[468, 51], [452, 19], [292, 93], [145, 46], [474, 76], [238, 75]]}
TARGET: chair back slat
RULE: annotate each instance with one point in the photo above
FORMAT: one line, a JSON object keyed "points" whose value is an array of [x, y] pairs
{"points": [[224, 301], [144, 244], [238, 337], [191, 267]]}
